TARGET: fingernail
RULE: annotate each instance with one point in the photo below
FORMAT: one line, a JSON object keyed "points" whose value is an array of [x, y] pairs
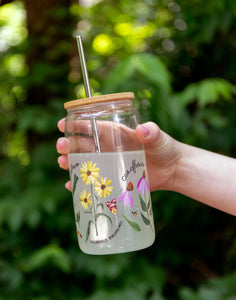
{"points": [[146, 131]]}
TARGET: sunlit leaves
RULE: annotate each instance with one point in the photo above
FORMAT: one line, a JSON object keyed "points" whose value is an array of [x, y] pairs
{"points": [[124, 29], [12, 33], [12, 29], [88, 3], [103, 44], [15, 147], [134, 34], [15, 65]]}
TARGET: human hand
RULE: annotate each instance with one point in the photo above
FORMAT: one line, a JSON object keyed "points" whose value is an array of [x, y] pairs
{"points": [[162, 151]]}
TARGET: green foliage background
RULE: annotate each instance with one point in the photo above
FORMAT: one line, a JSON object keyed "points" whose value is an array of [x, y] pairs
{"points": [[179, 60]]}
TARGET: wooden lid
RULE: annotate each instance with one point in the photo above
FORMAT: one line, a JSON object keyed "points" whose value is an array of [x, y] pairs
{"points": [[97, 99]]}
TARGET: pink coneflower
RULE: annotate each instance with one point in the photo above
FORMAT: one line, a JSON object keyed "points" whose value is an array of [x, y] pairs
{"points": [[142, 185], [127, 195]]}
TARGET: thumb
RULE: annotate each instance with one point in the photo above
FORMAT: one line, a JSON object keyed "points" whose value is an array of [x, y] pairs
{"points": [[149, 133]]}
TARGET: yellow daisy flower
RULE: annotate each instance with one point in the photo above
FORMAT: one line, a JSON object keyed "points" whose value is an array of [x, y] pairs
{"points": [[85, 201], [102, 187], [89, 172]]}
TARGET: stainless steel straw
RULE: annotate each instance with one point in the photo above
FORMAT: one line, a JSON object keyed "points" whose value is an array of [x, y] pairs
{"points": [[87, 89]]}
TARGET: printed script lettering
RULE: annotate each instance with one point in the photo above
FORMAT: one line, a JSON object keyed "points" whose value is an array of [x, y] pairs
{"points": [[74, 166], [132, 169], [110, 237]]}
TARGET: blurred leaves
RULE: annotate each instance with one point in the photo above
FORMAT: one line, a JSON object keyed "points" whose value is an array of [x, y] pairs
{"points": [[208, 91], [149, 66], [179, 60], [12, 33], [37, 119], [49, 255], [215, 289]]}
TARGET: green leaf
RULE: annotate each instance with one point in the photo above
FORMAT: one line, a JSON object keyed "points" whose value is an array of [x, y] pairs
{"points": [[148, 65], [207, 91], [145, 220], [104, 215], [143, 204], [149, 203], [215, 118], [121, 72], [88, 230], [74, 183], [188, 95], [52, 254], [77, 218], [135, 225], [153, 69], [100, 204]]}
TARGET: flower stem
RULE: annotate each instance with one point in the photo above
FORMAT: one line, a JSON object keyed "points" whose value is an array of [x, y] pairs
{"points": [[148, 212], [94, 211]]}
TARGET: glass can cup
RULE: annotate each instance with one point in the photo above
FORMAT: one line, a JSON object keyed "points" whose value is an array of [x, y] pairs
{"points": [[107, 165]]}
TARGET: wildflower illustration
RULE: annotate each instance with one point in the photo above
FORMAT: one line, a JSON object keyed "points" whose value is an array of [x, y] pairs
{"points": [[77, 219], [74, 184], [128, 201], [85, 200], [135, 212], [135, 225], [127, 195], [89, 172], [142, 185], [143, 189], [103, 188], [89, 200], [96, 190], [112, 206]]}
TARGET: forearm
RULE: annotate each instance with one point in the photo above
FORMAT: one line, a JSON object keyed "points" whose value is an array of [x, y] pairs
{"points": [[207, 177]]}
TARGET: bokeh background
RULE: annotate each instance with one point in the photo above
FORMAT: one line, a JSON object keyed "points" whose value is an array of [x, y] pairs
{"points": [[178, 57]]}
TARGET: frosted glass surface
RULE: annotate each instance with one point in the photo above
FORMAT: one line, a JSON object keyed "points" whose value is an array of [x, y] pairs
{"points": [[112, 203]]}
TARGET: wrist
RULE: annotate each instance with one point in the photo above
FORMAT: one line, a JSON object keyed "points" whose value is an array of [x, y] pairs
{"points": [[183, 168]]}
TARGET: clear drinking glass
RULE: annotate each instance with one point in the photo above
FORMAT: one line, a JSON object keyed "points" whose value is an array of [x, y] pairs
{"points": [[111, 196]]}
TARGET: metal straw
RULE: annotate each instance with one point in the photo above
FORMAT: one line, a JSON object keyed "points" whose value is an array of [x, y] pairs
{"points": [[87, 89]]}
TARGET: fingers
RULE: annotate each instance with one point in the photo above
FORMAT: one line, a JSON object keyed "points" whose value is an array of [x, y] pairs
{"points": [[112, 137], [68, 186], [157, 144], [61, 125], [161, 149], [63, 162], [63, 145], [81, 144], [76, 126]]}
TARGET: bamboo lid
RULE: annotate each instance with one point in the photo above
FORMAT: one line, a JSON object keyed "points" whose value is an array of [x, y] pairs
{"points": [[98, 99]]}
